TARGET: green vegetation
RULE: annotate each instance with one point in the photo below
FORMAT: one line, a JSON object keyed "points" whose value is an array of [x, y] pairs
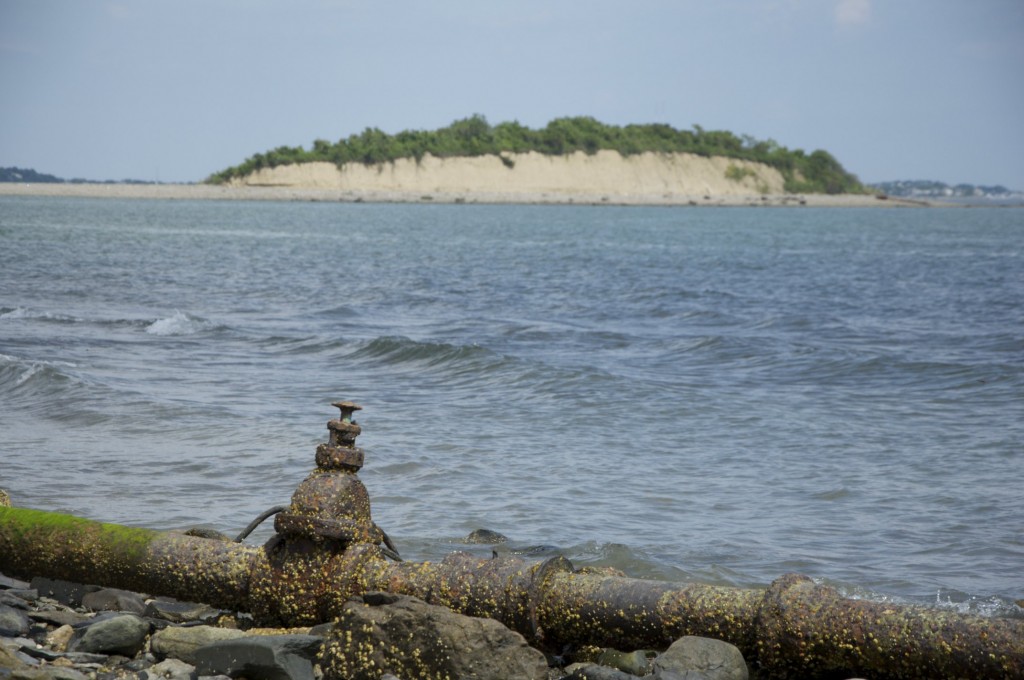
{"points": [[817, 172], [26, 175], [737, 174]]}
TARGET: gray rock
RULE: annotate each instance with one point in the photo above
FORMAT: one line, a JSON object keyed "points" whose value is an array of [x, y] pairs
{"points": [[263, 657], [123, 634], [9, 659], [708, 658], [83, 658], [182, 642], [169, 669], [13, 622], [58, 673], [412, 639], [28, 594], [8, 583], [17, 595], [180, 612], [40, 652], [51, 673], [377, 598], [114, 600], [593, 671], [140, 663], [65, 592], [634, 663], [485, 536], [58, 617], [685, 675], [321, 629]]}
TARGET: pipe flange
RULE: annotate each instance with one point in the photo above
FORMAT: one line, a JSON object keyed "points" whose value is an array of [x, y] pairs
{"points": [[329, 457], [344, 530]]}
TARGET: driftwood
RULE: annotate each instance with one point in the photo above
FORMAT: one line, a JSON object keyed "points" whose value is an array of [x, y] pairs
{"points": [[327, 550]]}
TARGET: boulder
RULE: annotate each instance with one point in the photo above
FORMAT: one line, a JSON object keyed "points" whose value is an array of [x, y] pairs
{"points": [[115, 600], [698, 657], [124, 634], [182, 642], [262, 657], [13, 622], [485, 536], [384, 633]]}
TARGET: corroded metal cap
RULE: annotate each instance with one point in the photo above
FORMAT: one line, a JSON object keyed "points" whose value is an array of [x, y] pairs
{"points": [[347, 409], [332, 503], [340, 452]]}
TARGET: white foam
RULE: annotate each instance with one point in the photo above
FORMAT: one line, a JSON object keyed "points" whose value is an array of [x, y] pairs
{"points": [[27, 375], [24, 313], [991, 606], [177, 324]]}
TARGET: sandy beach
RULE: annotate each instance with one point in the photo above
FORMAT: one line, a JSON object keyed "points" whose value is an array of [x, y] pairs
{"points": [[603, 178], [279, 193]]}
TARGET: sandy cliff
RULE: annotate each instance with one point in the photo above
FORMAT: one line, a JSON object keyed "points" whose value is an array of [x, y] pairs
{"points": [[602, 178], [606, 174]]}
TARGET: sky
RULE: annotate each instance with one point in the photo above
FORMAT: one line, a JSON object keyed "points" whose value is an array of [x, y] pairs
{"points": [[175, 90]]}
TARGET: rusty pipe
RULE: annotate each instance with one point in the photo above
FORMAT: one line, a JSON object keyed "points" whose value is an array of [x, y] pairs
{"points": [[795, 628], [38, 543]]}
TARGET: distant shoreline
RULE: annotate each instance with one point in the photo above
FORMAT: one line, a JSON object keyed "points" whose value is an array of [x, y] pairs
{"points": [[292, 193]]}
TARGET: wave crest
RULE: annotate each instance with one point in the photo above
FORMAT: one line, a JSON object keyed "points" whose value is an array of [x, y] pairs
{"points": [[179, 323]]}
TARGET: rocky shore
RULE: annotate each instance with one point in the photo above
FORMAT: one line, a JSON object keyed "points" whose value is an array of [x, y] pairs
{"points": [[313, 193], [58, 630]]}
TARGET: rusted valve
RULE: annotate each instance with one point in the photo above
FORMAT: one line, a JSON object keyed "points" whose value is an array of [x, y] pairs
{"points": [[331, 504]]}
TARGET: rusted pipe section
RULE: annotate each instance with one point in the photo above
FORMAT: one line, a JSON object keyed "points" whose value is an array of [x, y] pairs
{"points": [[793, 629], [292, 584], [553, 604], [37, 543], [809, 630]]}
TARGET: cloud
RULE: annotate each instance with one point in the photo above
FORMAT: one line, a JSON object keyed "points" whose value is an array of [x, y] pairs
{"points": [[853, 12]]}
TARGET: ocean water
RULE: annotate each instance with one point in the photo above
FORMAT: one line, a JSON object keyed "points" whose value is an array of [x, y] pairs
{"points": [[695, 394]]}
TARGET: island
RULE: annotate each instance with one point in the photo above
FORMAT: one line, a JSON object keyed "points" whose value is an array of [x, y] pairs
{"points": [[576, 159]]}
